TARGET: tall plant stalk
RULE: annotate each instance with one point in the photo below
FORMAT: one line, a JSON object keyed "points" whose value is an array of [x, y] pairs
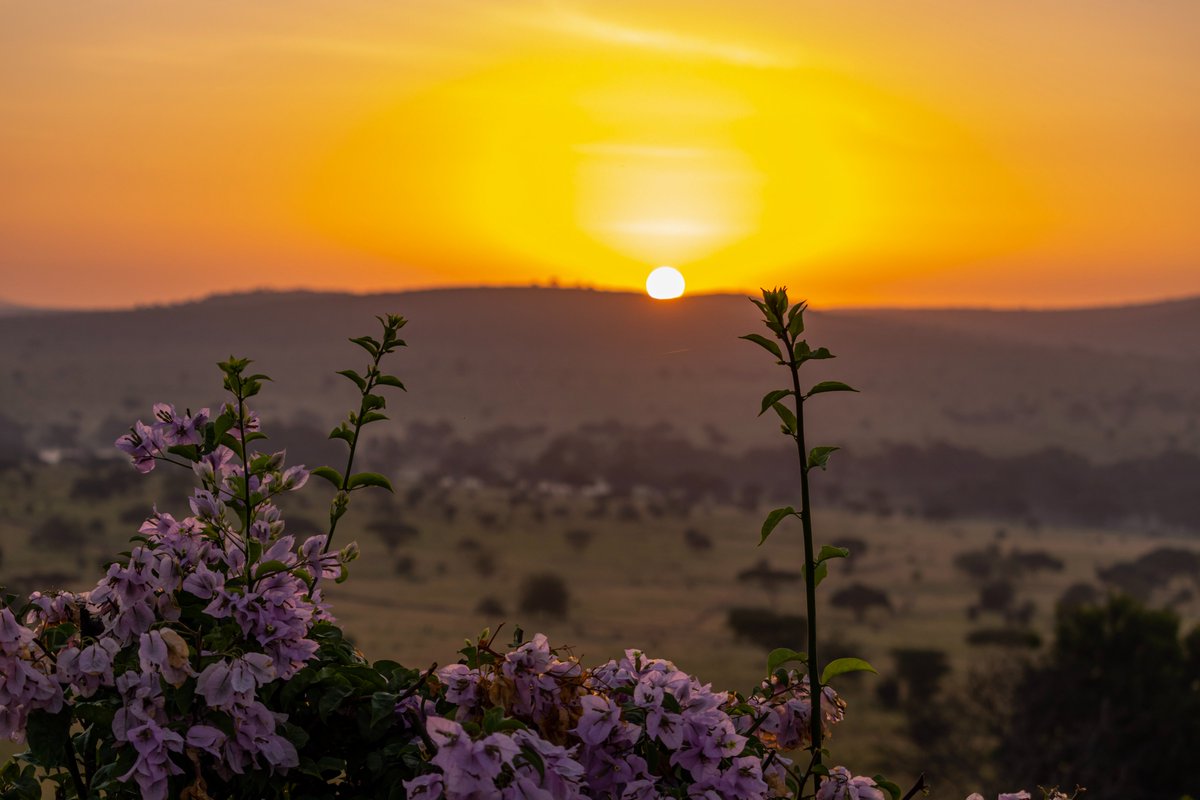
{"points": [[786, 323]]}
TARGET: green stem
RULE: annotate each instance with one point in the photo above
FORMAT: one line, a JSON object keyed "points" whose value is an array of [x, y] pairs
{"points": [[810, 567], [362, 410], [245, 477], [81, 788]]}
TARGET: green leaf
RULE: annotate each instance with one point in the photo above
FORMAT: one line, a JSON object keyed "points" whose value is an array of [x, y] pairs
{"points": [[772, 520], [764, 343], [369, 479], [788, 418], [819, 456], [828, 551], [372, 416], [383, 707], [840, 666], [269, 567], [780, 656], [48, 736], [342, 432], [796, 320], [889, 787], [815, 355], [771, 398], [830, 386], [358, 380], [390, 380], [367, 343], [330, 474], [333, 697], [820, 573]]}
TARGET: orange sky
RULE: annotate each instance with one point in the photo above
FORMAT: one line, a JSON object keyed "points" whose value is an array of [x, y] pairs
{"points": [[1031, 152]]}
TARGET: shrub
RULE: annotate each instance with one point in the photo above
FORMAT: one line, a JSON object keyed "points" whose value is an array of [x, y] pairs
{"points": [[544, 594]]}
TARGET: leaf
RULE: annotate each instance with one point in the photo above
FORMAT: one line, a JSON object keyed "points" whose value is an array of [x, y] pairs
{"points": [[828, 551], [820, 573], [785, 414], [819, 354], [796, 320], [369, 479], [330, 474], [773, 519], [830, 386], [367, 343], [819, 456], [358, 380], [383, 707], [48, 736], [269, 567], [372, 416], [891, 788], [780, 656], [771, 398], [342, 432], [390, 380], [764, 343], [333, 697], [840, 666]]}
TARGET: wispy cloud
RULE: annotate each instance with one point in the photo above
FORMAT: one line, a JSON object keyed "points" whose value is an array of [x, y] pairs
{"points": [[563, 19]]}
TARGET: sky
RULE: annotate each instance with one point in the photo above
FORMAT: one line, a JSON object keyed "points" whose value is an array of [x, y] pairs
{"points": [[1033, 153]]}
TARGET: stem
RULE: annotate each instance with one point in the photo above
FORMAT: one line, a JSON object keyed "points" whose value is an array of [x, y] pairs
{"points": [[81, 788], [810, 583], [358, 423], [245, 478]]}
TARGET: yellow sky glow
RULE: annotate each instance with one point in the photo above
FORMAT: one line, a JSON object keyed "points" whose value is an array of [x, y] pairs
{"points": [[861, 153]]}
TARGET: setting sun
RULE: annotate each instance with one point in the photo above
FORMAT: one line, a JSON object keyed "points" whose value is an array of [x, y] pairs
{"points": [[665, 283]]}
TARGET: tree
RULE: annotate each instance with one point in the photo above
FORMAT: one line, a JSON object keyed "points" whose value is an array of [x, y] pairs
{"points": [[1115, 707]]}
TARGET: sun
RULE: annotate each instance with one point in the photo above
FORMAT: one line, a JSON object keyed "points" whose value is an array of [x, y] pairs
{"points": [[665, 283]]}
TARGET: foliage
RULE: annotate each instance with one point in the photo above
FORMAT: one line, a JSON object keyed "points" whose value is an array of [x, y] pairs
{"points": [[1115, 706], [205, 663]]}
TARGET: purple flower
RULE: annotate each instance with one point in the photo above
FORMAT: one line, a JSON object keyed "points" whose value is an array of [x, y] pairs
{"points": [[841, 785]]}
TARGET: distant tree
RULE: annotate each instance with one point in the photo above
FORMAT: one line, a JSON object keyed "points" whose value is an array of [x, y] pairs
{"points": [[696, 540], [767, 577], [544, 594], [997, 596], [490, 607], [58, 532], [392, 532], [1114, 707], [1076, 596], [767, 629], [860, 598], [579, 538], [1005, 637]]}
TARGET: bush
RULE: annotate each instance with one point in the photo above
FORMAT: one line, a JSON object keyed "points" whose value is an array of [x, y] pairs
{"points": [[766, 628], [543, 594]]}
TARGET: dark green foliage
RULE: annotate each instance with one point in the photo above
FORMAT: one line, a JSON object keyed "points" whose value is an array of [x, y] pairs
{"points": [[1005, 637], [1142, 576], [860, 598], [766, 628], [1114, 707], [544, 593]]}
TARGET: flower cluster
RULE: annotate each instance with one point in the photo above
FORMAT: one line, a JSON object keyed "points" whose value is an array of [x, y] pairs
{"points": [[213, 606], [637, 728]]}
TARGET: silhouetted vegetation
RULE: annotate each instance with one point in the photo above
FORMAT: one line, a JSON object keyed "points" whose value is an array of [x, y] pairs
{"points": [[766, 628], [543, 594]]}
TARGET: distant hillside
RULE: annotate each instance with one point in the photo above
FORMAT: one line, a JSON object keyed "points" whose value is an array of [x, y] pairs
{"points": [[1169, 329], [1003, 383]]}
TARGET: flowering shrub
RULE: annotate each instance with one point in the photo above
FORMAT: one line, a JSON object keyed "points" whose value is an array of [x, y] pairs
{"points": [[206, 663]]}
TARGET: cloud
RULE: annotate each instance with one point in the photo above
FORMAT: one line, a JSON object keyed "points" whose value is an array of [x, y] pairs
{"points": [[562, 19]]}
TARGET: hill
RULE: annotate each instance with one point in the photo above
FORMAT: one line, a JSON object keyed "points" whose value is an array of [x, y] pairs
{"points": [[485, 358]]}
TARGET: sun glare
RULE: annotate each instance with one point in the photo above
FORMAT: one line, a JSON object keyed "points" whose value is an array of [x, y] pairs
{"points": [[664, 283]]}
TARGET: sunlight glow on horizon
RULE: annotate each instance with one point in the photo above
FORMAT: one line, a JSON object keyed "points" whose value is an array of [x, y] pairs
{"points": [[175, 151]]}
